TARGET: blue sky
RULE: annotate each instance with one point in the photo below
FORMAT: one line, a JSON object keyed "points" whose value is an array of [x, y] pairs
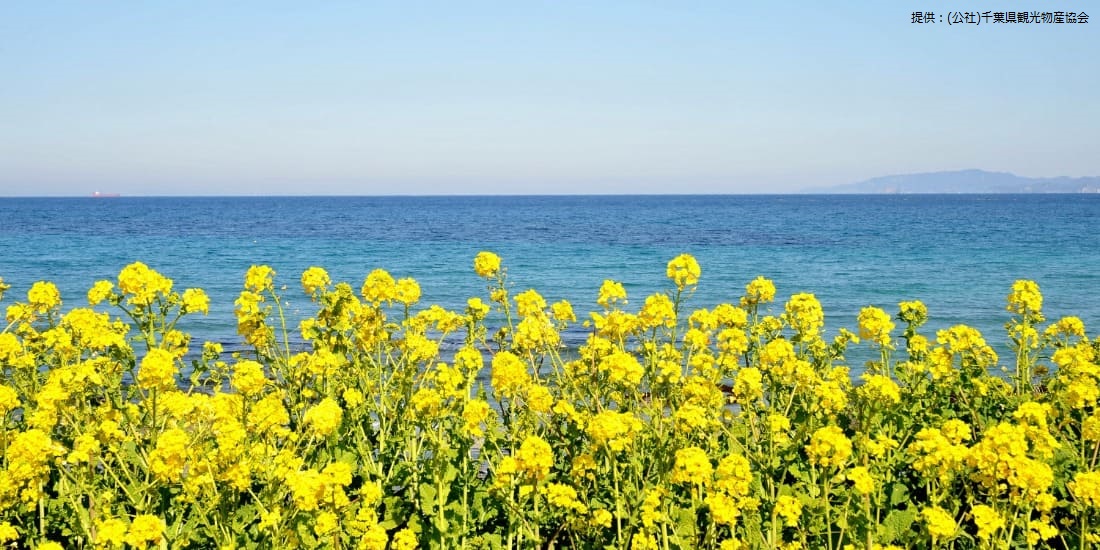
{"points": [[202, 98]]}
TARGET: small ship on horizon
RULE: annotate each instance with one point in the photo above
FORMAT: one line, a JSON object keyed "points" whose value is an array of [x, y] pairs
{"points": [[99, 195]]}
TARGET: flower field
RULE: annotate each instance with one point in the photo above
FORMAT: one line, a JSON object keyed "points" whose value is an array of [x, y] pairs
{"points": [[736, 425]]}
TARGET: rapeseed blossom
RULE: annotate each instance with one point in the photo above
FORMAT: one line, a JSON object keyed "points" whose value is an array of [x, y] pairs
{"points": [[1085, 487], [875, 325], [726, 427], [758, 291], [987, 520], [789, 508], [684, 271], [324, 417], [829, 447], [940, 524], [1025, 298], [486, 264], [692, 466]]}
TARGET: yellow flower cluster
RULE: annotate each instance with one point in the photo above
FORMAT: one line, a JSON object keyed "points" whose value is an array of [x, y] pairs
{"points": [[804, 315], [684, 271], [829, 447], [142, 285], [692, 466], [487, 264], [875, 325], [1025, 298], [940, 524], [396, 425], [758, 291]]}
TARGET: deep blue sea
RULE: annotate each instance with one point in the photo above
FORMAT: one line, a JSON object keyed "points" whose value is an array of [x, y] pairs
{"points": [[957, 253]]}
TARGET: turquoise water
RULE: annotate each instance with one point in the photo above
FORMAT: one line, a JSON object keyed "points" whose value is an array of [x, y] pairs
{"points": [[957, 253]]}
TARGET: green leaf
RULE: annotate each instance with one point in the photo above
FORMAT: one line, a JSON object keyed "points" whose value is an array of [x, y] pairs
{"points": [[899, 493], [427, 498], [896, 523]]}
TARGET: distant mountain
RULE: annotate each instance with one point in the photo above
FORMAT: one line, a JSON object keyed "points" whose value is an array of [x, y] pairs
{"points": [[965, 181]]}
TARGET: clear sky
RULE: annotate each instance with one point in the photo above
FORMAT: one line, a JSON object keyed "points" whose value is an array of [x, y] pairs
{"points": [[250, 97]]}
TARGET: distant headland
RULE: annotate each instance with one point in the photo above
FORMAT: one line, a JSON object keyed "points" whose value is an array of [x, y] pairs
{"points": [[964, 181]]}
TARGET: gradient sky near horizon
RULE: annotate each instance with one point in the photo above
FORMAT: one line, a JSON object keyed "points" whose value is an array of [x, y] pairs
{"points": [[478, 97]]}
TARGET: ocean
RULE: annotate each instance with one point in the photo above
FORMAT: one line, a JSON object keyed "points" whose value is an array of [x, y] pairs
{"points": [[957, 253]]}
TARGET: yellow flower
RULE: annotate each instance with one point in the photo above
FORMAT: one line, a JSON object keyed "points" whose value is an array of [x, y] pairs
{"points": [[758, 291], [987, 520], [829, 447], [100, 291], [642, 541], [49, 545], [692, 466], [941, 525], [406, 291], [779, 426], [1085, 487], [7, 532], [565, 497], [611, 292], [474, 414], [658, 311], [622, 367], [248, 377], [789, 508], [804, 314], [353, 397], [539, 399], [1025, 298], [307, 488], [315, 279], [914, 313], [936, 456], [379, 287], [734, 475], [723, 508], [85, 446], [748, 387], [880, 389], [956, 431], [9, 400], [325, 417], [509, 375], [530, 303], [862, 480], [110, 532], [158, 371], [43, 296], [486, 264], [1066, 326], [169, 457], [195, 299], [651, 508], [875, 325], [683, 270], [1040, 530], [259, 278], [534, 458], [426, 402], [142, 284], [476, 308], [563, 312], [404, 539], [145, 529], [326, 522], [613, 430], [601, 518]]}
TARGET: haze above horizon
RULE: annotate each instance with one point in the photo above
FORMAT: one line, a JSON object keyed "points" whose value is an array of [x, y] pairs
{"points": [[373, 98]]}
